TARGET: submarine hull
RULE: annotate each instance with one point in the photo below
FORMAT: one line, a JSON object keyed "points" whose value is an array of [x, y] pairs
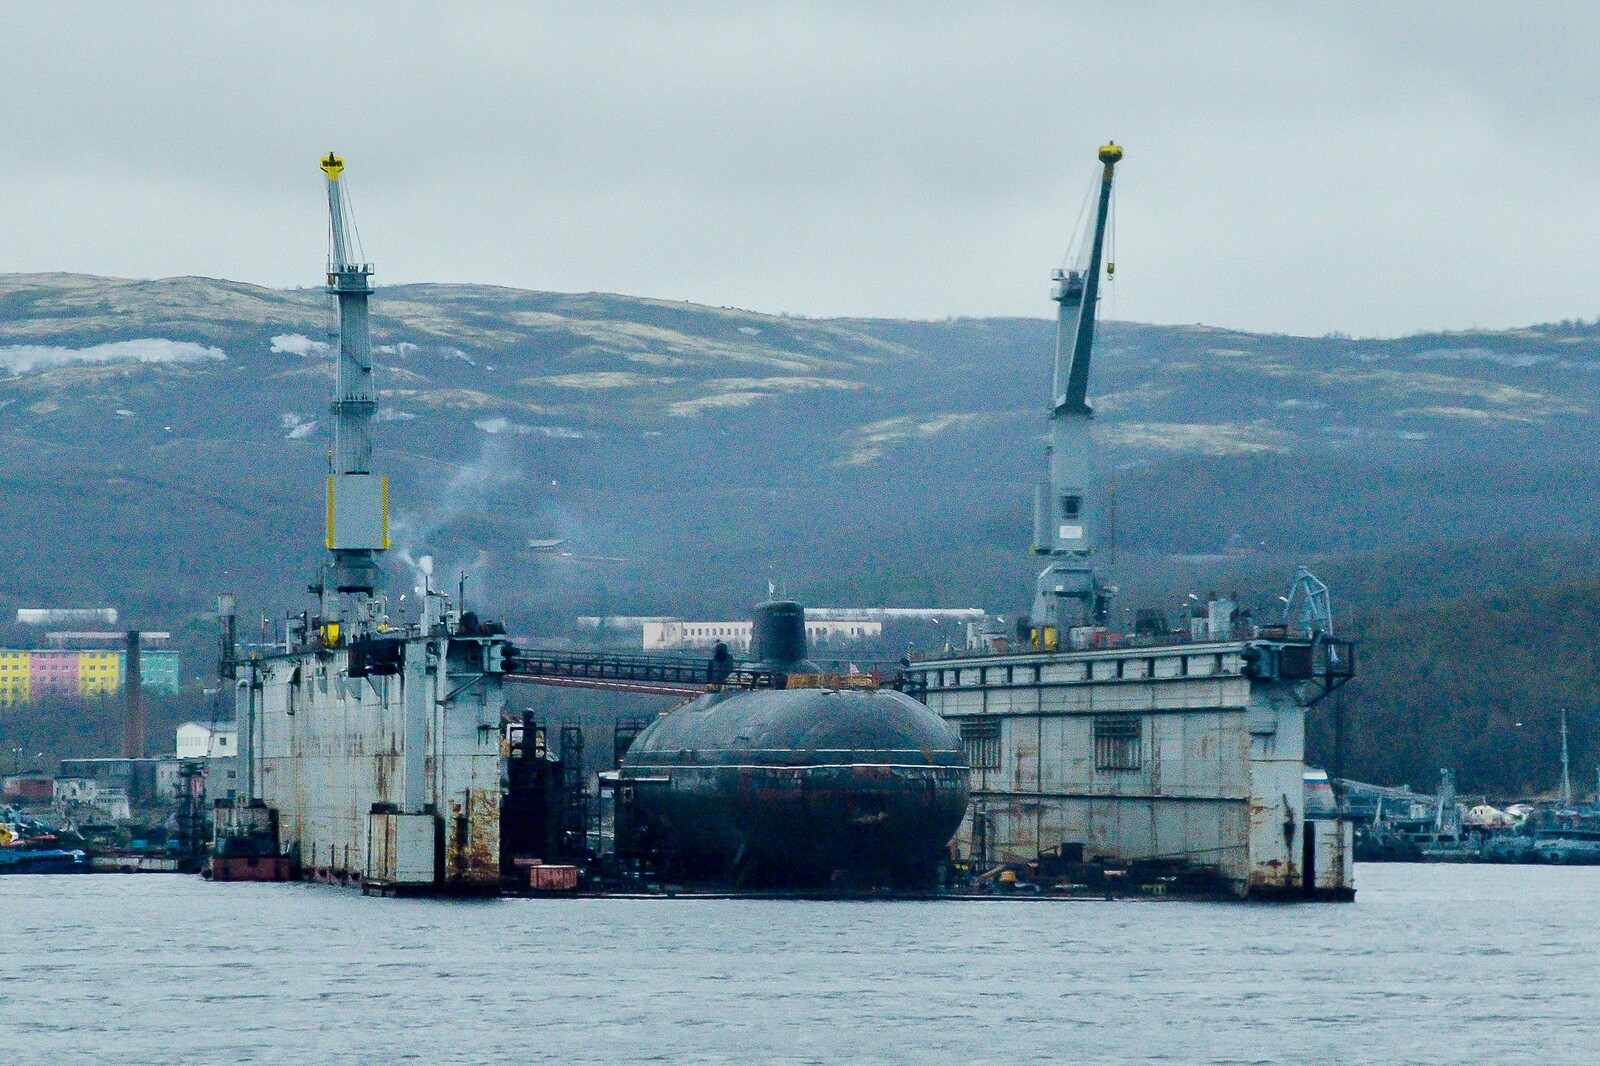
{"points": [[800, 788]]}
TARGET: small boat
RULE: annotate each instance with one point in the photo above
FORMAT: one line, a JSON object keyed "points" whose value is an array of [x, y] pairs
{"points": [[1449, 846], [1567, 847], [1509, 848], [24, 859]]}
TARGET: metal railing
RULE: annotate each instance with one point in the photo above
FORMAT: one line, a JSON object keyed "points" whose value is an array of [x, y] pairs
{"points": [[637, 673]]}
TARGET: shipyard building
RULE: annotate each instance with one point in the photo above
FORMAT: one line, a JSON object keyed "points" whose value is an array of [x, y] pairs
{"points": [[675, 634], [825, 627]]}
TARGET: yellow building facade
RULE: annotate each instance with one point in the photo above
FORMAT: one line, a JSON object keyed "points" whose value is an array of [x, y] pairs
{"points": [[15, 673], [99, 672]]}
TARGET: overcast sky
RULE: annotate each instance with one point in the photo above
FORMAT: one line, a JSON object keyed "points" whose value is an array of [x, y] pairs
{"points": [[1373, 168]]}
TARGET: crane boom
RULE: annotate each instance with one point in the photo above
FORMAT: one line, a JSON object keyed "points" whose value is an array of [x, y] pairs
{"points": [[339, 256], [1075, 396], [1064, 521]]}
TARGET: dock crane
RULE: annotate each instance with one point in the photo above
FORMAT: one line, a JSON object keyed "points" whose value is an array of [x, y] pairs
{"points": [[358, 499], [1070, 591]]}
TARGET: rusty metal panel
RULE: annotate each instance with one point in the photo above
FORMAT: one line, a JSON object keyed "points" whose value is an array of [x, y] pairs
{"points": [[1054, 761], [1335, 855], [1273, 840], [1277, 790], [400, 849], [1019, 754], [472, 840], [465, 745]]}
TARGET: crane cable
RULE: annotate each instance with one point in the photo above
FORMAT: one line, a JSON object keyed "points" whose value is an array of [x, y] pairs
{"points": [[347, 222], [350, 225], [1111, 255], [1111, 238], [1078, 244], [357, 252]]}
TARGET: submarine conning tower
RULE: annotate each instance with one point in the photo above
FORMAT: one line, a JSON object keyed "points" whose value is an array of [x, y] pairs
{"points": [[778, 638], [358, 499]]}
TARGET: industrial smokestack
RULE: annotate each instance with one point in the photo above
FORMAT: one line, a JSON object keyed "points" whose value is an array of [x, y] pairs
{"points": [[133, 701]]}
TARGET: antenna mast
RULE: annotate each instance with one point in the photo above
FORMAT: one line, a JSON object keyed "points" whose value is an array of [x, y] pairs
{"points": [[1063, 522]]}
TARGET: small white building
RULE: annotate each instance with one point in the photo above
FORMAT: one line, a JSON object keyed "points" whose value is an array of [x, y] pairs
{"points": [[169, 778], [70, 792], [74, 790], [196, 740]]}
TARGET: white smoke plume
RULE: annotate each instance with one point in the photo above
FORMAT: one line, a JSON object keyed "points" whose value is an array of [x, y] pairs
{"points": [[421, 570], [466, 492]]}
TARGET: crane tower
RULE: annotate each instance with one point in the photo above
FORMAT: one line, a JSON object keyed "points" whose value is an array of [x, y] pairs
{"points": [[358, 499], [1070, 591]]}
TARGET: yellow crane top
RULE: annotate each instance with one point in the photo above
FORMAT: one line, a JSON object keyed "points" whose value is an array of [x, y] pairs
{"points": [[332, 165]]}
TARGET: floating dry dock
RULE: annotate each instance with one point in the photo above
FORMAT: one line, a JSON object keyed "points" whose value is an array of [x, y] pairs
{"points": [[1185, 749], [376, 750], [1189, 755]]}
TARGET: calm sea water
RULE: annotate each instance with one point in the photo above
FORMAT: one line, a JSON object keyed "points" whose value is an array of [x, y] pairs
{"points": [[1430, 964]]}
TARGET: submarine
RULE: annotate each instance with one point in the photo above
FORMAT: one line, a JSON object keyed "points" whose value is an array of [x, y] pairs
{"points": [[815, 782]]}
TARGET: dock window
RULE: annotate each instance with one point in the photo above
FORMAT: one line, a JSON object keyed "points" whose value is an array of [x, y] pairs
{"points": [[980, 742], [1118, 742]]}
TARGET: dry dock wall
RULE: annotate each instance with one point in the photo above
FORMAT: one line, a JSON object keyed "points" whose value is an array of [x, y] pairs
{"points": [[392, 781], [1168, 753]]}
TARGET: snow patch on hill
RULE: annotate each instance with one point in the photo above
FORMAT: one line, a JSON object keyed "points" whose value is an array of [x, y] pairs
{"points": [[26, 358]]}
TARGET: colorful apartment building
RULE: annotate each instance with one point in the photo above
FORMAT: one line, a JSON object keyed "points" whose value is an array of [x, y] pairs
{"points": [[16, 671], [38, 673]]}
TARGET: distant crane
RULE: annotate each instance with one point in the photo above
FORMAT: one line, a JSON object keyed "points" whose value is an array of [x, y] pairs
{"points": [[1070, 591], [1308, 609], [358, 500]]}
